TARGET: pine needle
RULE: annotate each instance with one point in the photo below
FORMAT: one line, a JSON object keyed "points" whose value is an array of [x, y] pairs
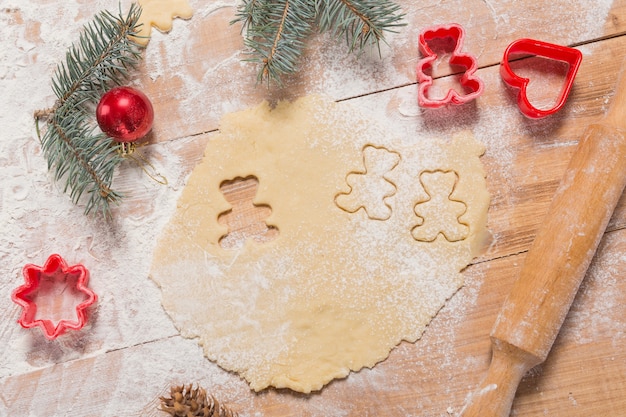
{"points": [[76, 151], [275, 30], [275, 33], [362, 22]]}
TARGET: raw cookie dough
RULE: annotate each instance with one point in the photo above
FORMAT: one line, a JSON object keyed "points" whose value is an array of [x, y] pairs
{"points": [[337, 289], [160, 13]]}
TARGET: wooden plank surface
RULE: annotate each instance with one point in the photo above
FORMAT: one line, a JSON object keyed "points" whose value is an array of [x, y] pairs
{"points": [[121, 364]]}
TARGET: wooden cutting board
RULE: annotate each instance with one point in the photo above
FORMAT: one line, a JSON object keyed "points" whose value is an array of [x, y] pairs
{"points": [[585, 374]]}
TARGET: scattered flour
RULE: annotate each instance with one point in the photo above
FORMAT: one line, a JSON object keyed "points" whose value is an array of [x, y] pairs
{"points": [[38, 219]]}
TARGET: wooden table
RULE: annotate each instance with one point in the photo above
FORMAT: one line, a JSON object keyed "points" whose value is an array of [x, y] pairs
{"points": [[123, 362]]}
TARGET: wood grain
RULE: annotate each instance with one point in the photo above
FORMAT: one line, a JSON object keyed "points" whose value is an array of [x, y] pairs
{"points": [[490, 26], [115, 373], [557, 261]]}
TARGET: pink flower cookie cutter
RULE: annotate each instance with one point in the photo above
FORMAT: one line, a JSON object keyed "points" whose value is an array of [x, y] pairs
{"points": [[473, 86], [60, 285], [573, 57]]}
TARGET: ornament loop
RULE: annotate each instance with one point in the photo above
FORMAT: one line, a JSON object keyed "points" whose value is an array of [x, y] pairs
{"points": [[127, 150]]}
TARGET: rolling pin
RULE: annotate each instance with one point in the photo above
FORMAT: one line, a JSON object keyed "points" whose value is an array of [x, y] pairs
{"points": [[557, 261]]}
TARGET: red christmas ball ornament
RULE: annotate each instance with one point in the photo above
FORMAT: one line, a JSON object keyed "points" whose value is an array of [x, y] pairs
{"points": [[125, 114]]}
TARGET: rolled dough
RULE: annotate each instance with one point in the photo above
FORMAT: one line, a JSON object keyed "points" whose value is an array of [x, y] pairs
{"points": [[337, 288]]}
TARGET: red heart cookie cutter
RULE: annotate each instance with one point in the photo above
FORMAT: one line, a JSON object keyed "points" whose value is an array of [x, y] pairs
{"points": [[472, 85], [571, 56]]}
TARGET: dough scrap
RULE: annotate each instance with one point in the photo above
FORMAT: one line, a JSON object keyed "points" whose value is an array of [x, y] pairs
{"points": [[370, 188], [441, 213], [160, 13], [335, 291]]}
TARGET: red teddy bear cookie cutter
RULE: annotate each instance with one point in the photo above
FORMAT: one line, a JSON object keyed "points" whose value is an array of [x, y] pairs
{"points": [[473, 86]]}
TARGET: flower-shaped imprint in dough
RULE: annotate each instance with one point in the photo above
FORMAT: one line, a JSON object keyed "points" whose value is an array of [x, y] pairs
{"points": [[369, 189], [440, 214]]}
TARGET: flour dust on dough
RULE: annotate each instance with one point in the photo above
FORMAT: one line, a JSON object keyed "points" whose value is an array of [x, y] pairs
{"points": [[337, 288]]}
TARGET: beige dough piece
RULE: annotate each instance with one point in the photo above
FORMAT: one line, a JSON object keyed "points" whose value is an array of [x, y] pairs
{"points": [[441, 213], [370, 185], [160, 13], [335, 291]]}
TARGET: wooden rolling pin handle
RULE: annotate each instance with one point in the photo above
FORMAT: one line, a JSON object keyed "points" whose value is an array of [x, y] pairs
{"points": [[497, 390], [557, 261], [565, 244]]}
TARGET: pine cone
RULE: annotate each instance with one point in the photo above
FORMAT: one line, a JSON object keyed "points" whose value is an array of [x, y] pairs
{"points": [[190, 402]]}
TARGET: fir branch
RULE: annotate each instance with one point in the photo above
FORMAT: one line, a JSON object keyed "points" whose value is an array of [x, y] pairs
{"points": [[275, 33], [80, 155], [362, 22], [275, 30], [247, 13]]}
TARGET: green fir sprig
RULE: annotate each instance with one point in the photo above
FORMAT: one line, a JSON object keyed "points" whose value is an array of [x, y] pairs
{"points": [[275, 30], [77, 151]]}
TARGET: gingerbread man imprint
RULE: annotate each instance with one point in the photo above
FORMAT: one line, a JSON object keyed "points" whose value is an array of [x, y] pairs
{"points": [[245, 220], [440, 213], [370, 188]]}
